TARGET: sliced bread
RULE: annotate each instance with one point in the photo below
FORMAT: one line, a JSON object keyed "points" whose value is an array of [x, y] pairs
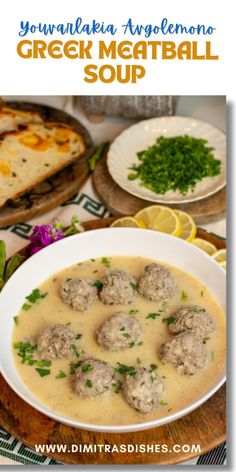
{"points": [[30, 155]]}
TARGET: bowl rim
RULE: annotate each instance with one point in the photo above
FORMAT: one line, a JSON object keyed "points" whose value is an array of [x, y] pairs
{"points": [[107, 428]]}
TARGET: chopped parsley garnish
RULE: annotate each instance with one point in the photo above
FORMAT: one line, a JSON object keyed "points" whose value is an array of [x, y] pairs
{"points": [[92, 260], [35, 295], [122, 329], [89, 384], [105, 261], [194, 309], [202, 293], [125, 369], [169, 320], [26, 306], [61, 375], [87, 368], [74, 350], [95, 271], [153, 366], [184, 296], [162, 403], [117, 387], [43, 372], [152, 316], [133, 312], [78, 336], [26, 350], [74, 366], [175, 163], [16, 319], [134, 285], [140, 343], [205, 340], [44, 363], [98, 284], [68, 324], [138, 360], [126, 335]]}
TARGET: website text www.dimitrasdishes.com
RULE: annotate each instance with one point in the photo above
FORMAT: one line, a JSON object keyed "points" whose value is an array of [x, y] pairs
{"points": [[122, 448]]}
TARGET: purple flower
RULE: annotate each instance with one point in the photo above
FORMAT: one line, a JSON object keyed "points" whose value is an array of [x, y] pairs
{"points": [[43, 236]]}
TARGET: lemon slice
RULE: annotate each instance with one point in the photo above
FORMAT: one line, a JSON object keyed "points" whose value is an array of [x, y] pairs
{"points": [[127, 222], [160, 218], [189, 228], [220, 256], [204, 245], [223, 264]]}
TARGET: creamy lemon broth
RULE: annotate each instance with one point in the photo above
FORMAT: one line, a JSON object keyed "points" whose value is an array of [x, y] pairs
{"points": [[112, 409]]}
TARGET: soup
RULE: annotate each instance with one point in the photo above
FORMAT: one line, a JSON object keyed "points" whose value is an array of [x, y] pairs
{"points": [[55, 388]]}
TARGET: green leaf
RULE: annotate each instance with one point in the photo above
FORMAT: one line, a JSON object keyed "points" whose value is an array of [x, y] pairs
{"points": [[89, 383], [96, 156], [43, 372], [134, 285], [125, 369], [74, 366], [2, 259], [98, 284], [16, 319], [152, 316], [26, 306], [75, 350], [78, 336], [13, 264], [87, 368], [169, 320], [105, 261], [35, 295], [61, 375], [74, 228], [44, 363], [184, 296]]}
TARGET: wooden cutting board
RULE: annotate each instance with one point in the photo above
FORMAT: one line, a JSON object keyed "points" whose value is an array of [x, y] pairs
{"points": [[58, 188], [119, 202], [205, 426]]}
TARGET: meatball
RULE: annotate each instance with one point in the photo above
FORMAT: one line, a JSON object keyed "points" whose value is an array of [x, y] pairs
{"points": [[157, 283], [192, 318], [120, 331], [118, 287], [143, 390], [93, 378], [55, 342], [79, 293], [186, 352]]}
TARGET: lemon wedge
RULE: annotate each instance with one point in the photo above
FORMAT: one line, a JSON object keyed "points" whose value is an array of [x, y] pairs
{"points": [[220, 256], [204, 245], [160, 218], [127, 222], [189, 228]]}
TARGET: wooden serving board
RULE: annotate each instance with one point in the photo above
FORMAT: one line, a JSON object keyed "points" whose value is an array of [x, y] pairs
{"points": [[205, 426], [119, 202], [58, 188]]}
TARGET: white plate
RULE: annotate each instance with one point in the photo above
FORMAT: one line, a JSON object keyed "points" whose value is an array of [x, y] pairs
{"points": [[122, 155], [96, 244]]}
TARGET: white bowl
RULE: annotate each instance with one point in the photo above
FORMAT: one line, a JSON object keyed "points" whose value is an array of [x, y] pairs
{"points": [[95, 244], [123, 154]]}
